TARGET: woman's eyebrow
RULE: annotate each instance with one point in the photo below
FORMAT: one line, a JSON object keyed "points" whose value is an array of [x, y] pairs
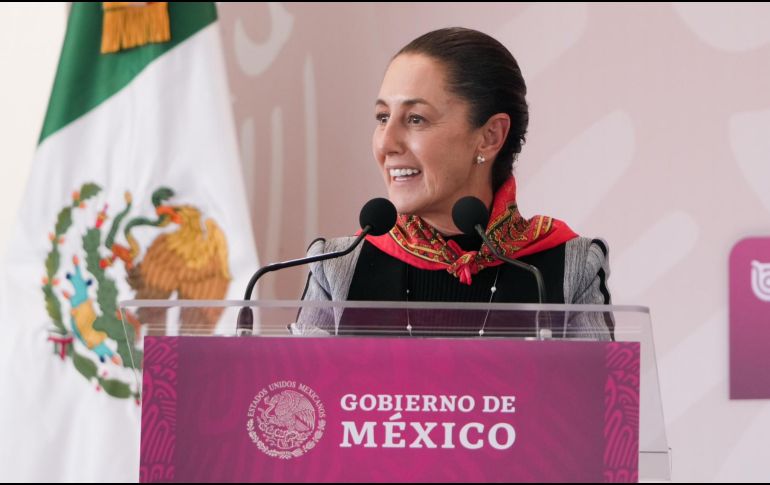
{"points": [[408, 102]]}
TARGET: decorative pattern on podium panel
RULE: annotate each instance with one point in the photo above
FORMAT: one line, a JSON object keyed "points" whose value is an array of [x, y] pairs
{"points": [[621, 428], [159, 410]]}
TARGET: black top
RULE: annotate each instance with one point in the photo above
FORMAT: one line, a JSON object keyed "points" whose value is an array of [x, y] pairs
{"points": [[381, 277]]}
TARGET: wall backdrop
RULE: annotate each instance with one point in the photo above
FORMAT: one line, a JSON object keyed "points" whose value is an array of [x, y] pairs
{"points": [[650, 127]]}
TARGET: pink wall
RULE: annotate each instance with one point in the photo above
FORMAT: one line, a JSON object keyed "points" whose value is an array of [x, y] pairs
{"points": [[650, 126]]}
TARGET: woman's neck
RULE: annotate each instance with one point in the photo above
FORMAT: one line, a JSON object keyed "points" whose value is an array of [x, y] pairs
{"points": [[443, 222]]}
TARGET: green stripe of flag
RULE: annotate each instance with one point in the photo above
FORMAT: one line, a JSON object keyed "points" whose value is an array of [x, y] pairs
{"points": [[85, 78]]}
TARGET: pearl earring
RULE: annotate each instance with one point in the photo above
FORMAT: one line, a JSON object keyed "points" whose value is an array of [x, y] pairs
{"points": [[480, 159]]}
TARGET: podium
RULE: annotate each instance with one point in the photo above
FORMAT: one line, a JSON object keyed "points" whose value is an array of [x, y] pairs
{"points": [[396, 392]]}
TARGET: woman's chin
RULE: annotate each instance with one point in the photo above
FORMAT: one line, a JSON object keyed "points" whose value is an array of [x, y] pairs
{"points": [[405, 206]]}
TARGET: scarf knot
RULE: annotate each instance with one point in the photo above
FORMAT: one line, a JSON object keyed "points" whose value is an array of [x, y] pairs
{"points": [[465, 266], [418, 244]]}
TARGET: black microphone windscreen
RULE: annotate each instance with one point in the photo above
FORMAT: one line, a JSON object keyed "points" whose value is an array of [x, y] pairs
{"points": [[380, 214], [469, 212]]}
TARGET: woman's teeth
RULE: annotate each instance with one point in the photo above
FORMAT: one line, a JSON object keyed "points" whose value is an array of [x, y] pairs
{"points": [[403, 172]]}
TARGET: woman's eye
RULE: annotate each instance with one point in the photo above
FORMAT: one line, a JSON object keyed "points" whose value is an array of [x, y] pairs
{"points": [[415, 119], [381, 118]]}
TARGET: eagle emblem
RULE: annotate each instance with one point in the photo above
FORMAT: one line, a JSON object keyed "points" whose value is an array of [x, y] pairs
{"points": [[286, 423], [94, 256]]}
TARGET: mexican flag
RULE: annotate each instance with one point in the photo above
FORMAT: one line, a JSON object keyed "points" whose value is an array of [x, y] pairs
{"points": [[135, 192]]}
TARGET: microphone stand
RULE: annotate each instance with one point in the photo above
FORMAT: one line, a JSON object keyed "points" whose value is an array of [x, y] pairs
{"points": [[245, 322], [541, 333]]}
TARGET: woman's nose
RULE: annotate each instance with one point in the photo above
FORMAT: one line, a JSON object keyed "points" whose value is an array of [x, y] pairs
{"points": [[390, 139]]}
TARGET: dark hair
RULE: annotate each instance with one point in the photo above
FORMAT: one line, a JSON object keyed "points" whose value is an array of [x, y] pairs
{"points": [[485, 74]]}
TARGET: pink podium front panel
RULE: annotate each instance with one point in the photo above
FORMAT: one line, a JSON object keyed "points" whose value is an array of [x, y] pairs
{"points": [[388, 410]]}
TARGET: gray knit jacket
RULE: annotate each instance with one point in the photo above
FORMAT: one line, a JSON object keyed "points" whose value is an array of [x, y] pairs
{"points": [[586, 268]]}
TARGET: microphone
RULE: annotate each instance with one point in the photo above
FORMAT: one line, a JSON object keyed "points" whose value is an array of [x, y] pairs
{"points": [[377, 217], [471, 216]]}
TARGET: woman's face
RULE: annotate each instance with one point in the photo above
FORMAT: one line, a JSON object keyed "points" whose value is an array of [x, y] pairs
{"points": [[423, 141]]}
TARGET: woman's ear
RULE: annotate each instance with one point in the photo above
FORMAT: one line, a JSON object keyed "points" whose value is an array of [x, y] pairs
{"points": [[493, 135]]}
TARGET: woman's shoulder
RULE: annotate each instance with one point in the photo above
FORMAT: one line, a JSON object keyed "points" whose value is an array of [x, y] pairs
{"points": [[586, 270], [585, 248], [334, 275], [323, 245]]}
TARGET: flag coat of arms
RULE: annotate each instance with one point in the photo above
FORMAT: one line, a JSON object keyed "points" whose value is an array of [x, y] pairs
{"points": [[136, 191]]}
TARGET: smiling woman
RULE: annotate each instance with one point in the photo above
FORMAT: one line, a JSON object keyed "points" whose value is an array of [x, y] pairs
{"points": [[451, 118], [424, 140]]}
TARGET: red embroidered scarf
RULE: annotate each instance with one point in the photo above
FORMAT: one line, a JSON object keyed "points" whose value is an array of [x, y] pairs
{"points": [[415, 242]]}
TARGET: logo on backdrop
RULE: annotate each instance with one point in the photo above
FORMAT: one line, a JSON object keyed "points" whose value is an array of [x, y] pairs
{"points": [[749, 316], [95, 250], [760, 280], [286, 419]]}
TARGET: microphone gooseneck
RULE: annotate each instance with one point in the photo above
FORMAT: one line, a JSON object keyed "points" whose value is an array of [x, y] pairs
{"points": [[377, 217], [471, 216]]}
